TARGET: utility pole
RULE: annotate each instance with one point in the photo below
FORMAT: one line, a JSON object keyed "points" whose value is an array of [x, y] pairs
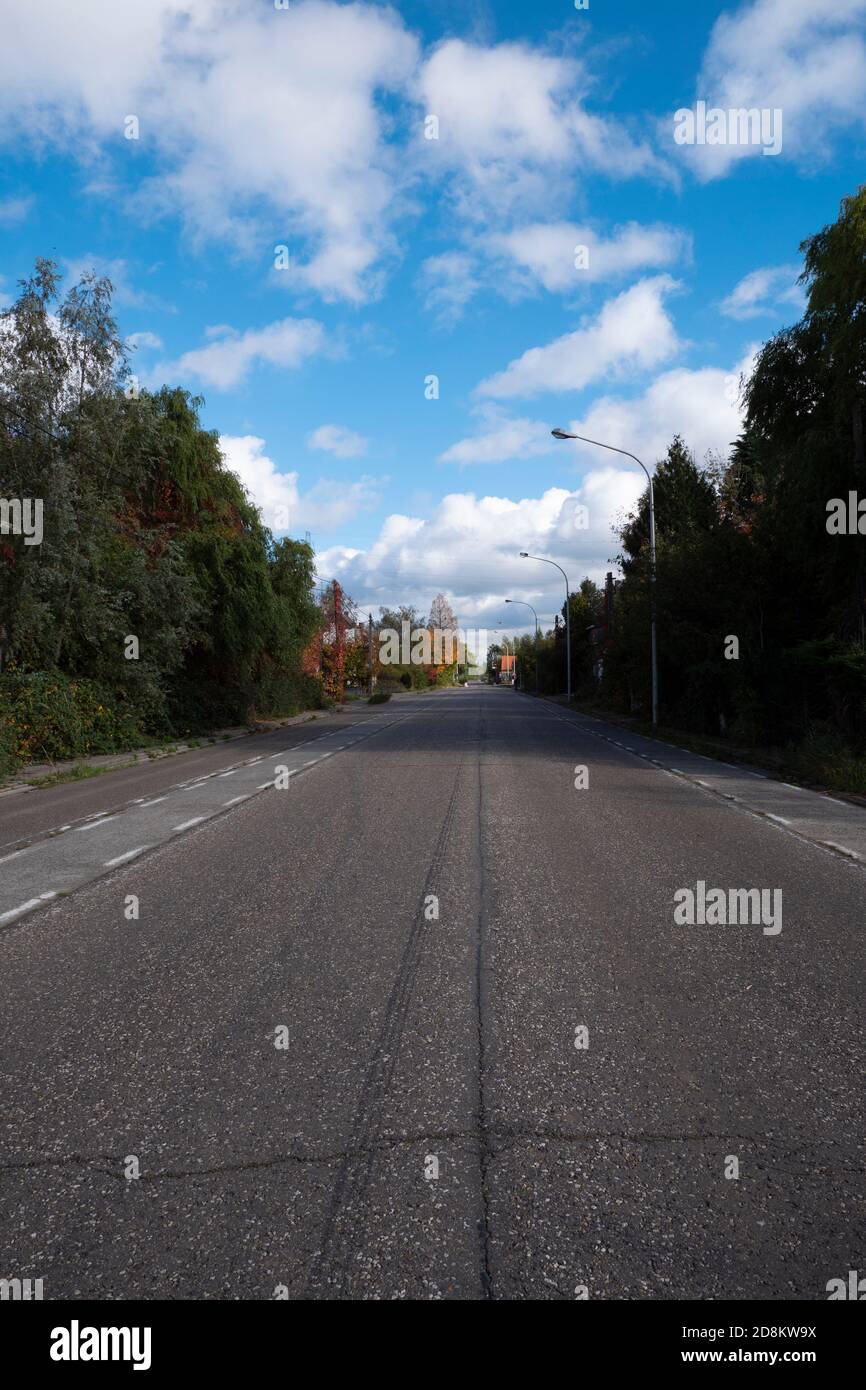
{"points": [[370, 648]]}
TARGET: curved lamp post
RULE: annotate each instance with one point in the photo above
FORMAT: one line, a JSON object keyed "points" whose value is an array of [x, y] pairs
{"points": [[524, 604], [525, 556], [563, 434]]}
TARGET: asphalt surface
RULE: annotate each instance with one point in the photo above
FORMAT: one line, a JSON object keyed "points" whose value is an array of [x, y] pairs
{"points": [[304, 915]]}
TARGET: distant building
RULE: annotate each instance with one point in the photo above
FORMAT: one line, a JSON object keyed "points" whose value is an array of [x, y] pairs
{"points": [[502, 669]]}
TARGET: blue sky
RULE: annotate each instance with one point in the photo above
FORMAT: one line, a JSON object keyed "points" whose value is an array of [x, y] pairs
{"points": [[305, 127]]}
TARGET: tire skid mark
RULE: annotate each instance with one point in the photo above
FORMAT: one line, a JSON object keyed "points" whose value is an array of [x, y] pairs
{"points": [[344, 1230]]}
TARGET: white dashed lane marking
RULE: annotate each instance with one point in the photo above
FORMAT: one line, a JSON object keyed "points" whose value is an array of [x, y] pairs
{"points": [[150, 832]]}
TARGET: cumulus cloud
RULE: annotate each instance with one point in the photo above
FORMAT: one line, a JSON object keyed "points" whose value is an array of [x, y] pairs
{"points": [[262, 126], [700, 404], [546, 252], [470, 548], [324, 507], [500, 437], [765, 291], [513, 126], [242, 105], [228, 358], [337, 440], [143, 340], [807, 60], [632, 332], [560, 257]]}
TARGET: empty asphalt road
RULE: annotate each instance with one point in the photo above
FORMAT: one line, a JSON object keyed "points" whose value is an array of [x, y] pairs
{"points": [[418, 1019]]}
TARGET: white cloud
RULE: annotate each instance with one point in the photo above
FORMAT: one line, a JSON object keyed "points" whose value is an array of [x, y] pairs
{"points": [[501, 437], [561, 257], [143, 340], [262, 127], [632, 332], [337, 440], [244, 106], [701, 405], [325, 507], [470, 548], [13, 210], [806, 59], [546, 251], [450, 281], [116, 270], [765, 291], [513, 125], [229, 357]]}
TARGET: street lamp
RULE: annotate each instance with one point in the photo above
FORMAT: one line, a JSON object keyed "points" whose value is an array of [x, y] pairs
{"points": [[563, 434], [524, 604], [544, 561]]}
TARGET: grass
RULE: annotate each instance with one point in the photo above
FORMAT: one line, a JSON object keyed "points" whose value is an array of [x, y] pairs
{"points": [[76, 774]]}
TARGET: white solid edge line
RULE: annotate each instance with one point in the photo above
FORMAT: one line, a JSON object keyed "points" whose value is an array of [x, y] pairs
{"points": [[31, 902], [851, 853], [91, 825], [130, 854]]}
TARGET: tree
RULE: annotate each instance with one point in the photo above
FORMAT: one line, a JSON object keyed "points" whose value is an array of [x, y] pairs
{"points": [[442, 615], [146, 533]]}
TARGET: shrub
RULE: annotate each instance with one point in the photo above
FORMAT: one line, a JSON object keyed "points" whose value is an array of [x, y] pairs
{"points": [[46, 716], [379, 697]]}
